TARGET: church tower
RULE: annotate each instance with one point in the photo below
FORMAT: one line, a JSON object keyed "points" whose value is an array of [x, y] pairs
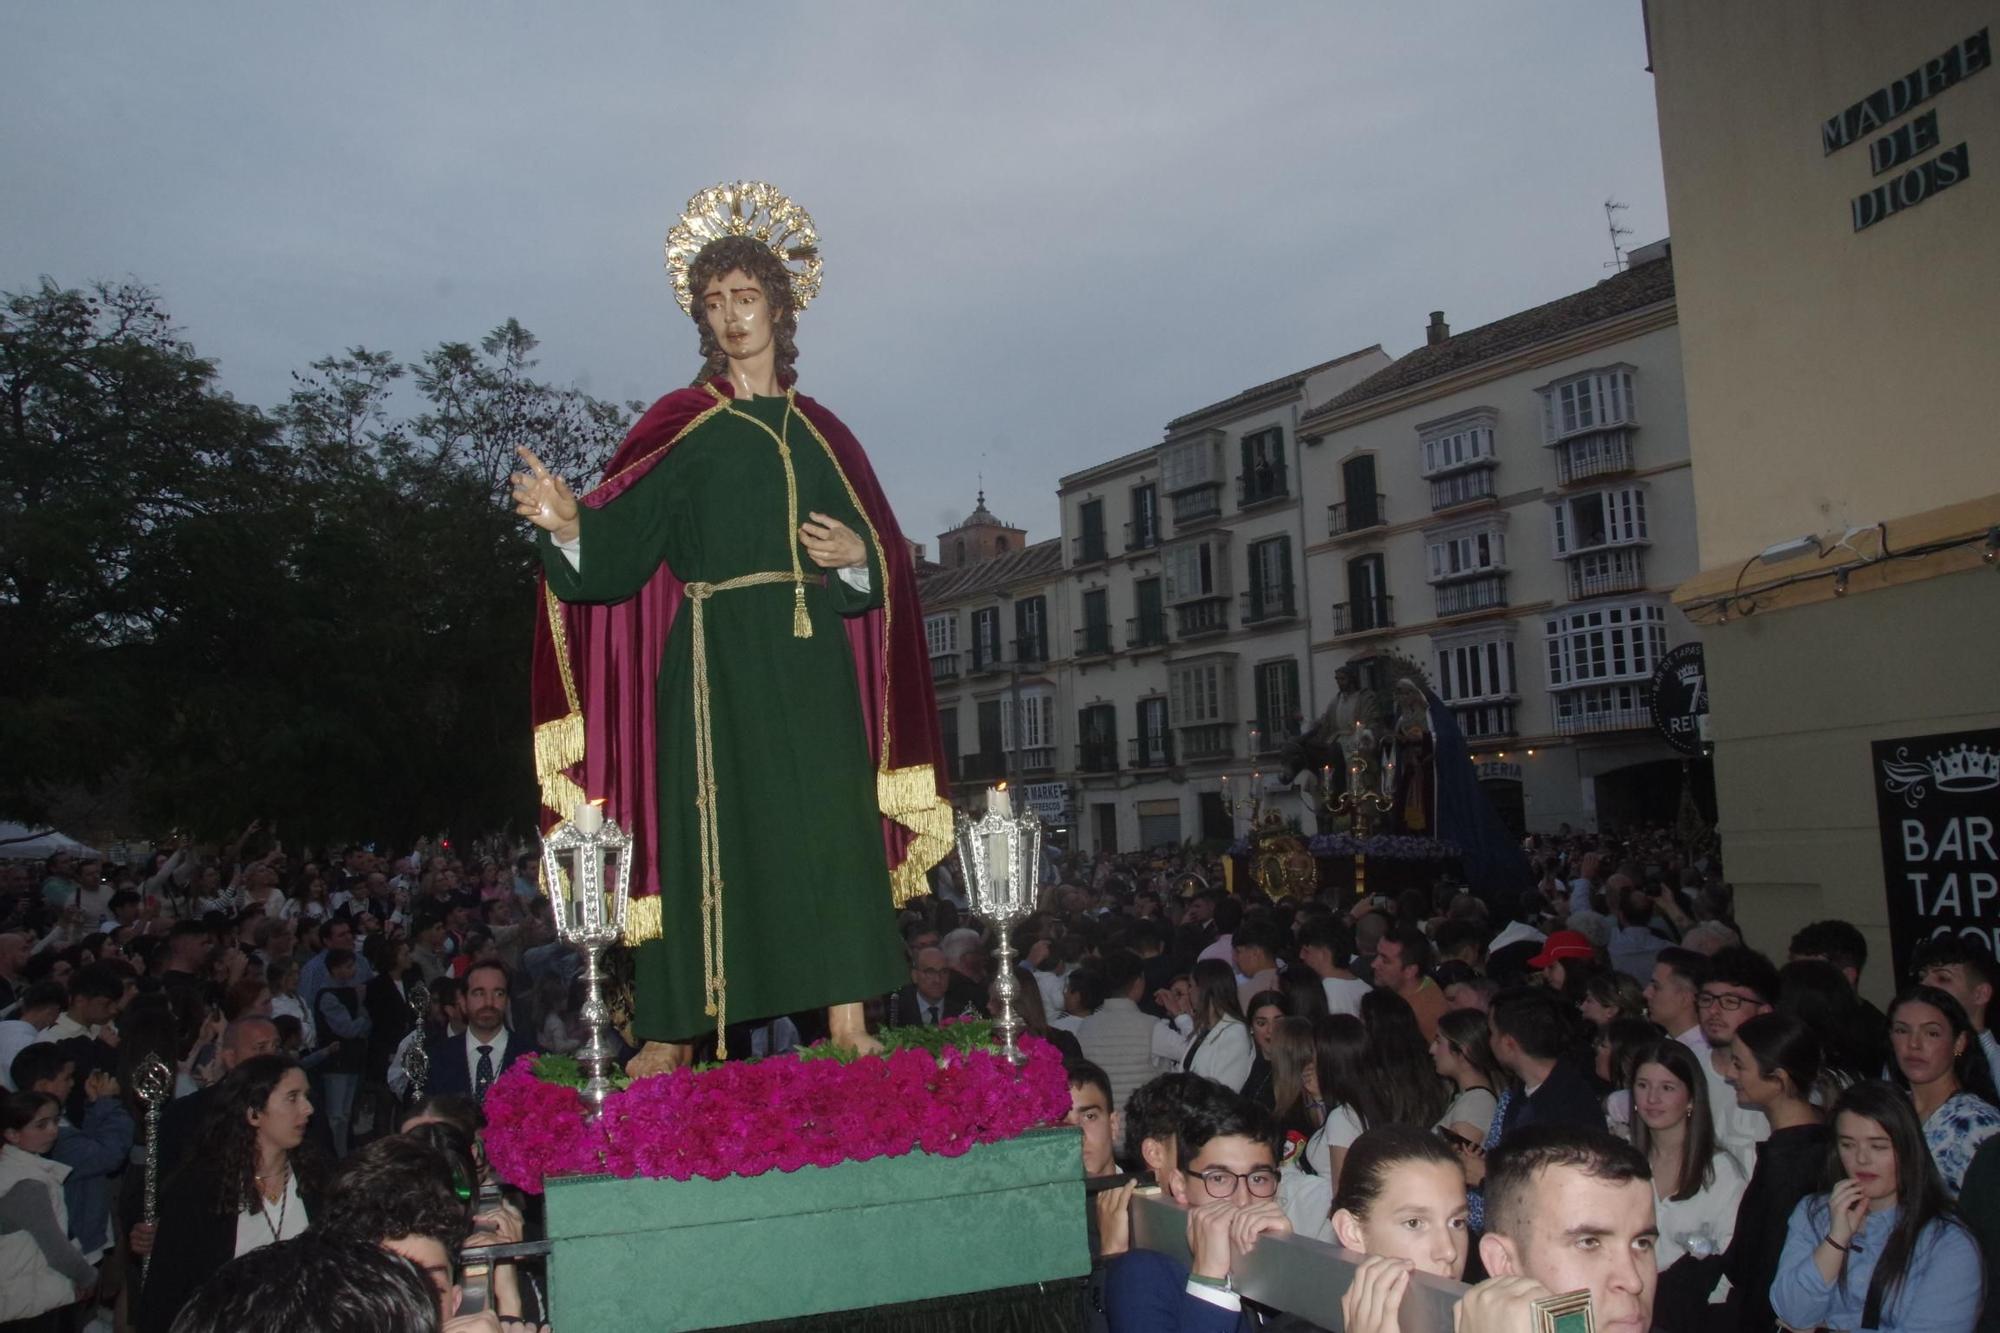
{"points": [[980, 537]]}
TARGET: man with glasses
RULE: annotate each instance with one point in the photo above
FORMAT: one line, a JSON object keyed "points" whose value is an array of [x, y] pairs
{"points": [[1226, 1150], [1741, 984]]}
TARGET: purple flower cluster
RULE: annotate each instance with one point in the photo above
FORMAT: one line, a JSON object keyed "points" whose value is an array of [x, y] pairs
{"points": [[746, 1118]]}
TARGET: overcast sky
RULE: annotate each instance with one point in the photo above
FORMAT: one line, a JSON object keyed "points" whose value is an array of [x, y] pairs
{"points": [[1048, 229]]}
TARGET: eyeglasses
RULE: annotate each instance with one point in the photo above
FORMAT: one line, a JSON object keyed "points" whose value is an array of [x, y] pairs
{"points": [[1220, 1182], [933, 971], [1729, 1004]]}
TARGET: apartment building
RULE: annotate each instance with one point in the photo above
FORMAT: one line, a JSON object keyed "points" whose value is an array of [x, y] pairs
{"points": [[990, 611], [1511, 507], [1185, 594]]}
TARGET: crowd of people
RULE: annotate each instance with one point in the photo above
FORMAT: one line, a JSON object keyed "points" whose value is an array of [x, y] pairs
{"points": [[1595, 1086]]}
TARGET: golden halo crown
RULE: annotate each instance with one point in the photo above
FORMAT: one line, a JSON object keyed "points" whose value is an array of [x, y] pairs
{"points": [[746, 208]]}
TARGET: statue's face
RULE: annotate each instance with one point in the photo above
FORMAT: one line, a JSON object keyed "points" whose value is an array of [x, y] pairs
{"points": [[1346, 681], [738, 314]]}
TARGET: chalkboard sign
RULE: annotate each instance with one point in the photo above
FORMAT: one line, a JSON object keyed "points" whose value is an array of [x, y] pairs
{"points": [[1937, 800]]}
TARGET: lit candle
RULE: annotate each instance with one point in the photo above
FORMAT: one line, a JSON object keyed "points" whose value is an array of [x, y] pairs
{"points": [[1000, 801], [589, 816]]}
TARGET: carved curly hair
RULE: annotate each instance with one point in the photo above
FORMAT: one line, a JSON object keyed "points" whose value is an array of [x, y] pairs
{"points": [[718, 257]]}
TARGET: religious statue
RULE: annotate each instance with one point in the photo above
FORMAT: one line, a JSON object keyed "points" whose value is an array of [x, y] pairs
{"points": [[729, 652], [1411, 768], [1341, 732]]}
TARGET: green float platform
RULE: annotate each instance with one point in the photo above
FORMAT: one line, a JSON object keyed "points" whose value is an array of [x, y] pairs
{"points": [[668, 1255]]}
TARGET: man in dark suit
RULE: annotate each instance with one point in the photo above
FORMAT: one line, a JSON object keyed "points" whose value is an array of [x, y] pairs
{"points": [[934, 994], [468, 1064], [1531, 1032]]}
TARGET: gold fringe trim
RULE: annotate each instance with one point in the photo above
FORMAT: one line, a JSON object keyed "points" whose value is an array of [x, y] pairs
{"points": [[910, 797], [642, 920], [560, 794], [559, 744]]}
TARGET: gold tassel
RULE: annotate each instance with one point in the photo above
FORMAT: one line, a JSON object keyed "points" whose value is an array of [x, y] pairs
{"points": [[559, 744], [910, 797], [642, 919], [802, 627]]}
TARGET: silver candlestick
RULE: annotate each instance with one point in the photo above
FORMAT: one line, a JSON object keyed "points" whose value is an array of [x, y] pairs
{"points": [[588, 863], [1001, 855], [153, 1080], [417, 1060]]}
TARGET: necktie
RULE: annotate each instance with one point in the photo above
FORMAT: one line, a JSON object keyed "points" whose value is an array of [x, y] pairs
{"points": [[930, 1014], [482, 1077]]}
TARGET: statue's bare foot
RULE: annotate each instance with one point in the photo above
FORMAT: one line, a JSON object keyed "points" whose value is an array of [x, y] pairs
{"points": [[847, 1027], [659, 1057]]}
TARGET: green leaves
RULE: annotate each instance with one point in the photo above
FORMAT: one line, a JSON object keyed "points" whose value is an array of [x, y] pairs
{"points": [[317, 614]]}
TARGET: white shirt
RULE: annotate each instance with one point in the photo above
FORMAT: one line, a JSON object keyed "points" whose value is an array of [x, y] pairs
{"points": [[1341, 1129], [498, 1041], [1738, 1129], [1344, 994], [1709, 1215], [283, 1220], [1991, 1045]]}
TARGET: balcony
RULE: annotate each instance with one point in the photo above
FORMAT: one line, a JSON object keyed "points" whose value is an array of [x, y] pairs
{"points": [[1151, 752], [1261, 485], [1090, 548], [1484, 593], [1485, 721], [1262, 604], [944, 666], [1031, 652], [1094, 641], [1601, 572], [1097, 757], [1351, 516], [1370, 615], [1213, 741], [1600, 454], [987, 661], [1462, 488], [987, 765], [1146, 631], [1142, 536], [1210, 615], [1198, 504], [1581, 722], [1036, 759]]}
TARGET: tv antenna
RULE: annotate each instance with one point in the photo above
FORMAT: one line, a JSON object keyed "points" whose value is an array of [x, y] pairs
{"points": [[1612, 208]]}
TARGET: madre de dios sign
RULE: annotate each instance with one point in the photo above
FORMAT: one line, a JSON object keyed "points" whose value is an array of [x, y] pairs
{"points": [[1937, 801], [1890, 102]]}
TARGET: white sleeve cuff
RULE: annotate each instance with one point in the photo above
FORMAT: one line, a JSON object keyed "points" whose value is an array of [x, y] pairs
{"points": [[1228, 1300], [856, 577], [572, 551]]}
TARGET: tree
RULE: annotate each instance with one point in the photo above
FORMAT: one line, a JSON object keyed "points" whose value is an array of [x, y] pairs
{"points": [[318, 615]]}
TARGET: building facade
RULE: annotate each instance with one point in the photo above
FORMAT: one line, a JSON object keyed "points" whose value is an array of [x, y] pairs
{"points": [[1511, 508], [1186, 594], [1837, 277]]}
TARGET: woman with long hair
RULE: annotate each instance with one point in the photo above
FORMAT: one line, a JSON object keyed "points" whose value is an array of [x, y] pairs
{"points": [[1340, 1070], [1267, 1008], [1938, 1059], [252, 1179], [1221, 1049], [1304, 992], [1883, 1247], [1853, 1043], [1696, 1183], [1773, 1066], [1294, 1089], [1402, 1203], [1611, 995], [1613, 1051], [1401, 1087], [1463, 1056]]}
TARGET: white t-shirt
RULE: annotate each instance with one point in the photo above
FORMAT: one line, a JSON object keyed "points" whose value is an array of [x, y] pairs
{"points": [[1341, 1129], [1474, 1106], [275, 1222], [1343, 994]]}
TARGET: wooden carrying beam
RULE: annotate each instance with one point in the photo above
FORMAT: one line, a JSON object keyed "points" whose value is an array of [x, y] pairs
{"points": [[1302, 1277]]}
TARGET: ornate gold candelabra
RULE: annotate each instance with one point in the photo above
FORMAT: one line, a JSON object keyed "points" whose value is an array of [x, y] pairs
{"points": [[588, 863], [153, 1080], [1001, 854], [1360, 803]]}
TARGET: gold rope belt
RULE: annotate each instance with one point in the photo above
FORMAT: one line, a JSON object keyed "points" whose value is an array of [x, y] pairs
{"points": [[714, 979]]}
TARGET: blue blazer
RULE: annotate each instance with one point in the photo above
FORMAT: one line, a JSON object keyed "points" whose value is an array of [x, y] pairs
{"points": [[1146, 1292], [451, 1071]]}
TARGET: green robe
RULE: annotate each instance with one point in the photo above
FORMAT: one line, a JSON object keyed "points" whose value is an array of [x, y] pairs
{"points": [[806, 910]]}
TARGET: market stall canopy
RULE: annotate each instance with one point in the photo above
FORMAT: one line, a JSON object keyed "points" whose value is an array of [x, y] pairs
{"points": [[18, 842]]}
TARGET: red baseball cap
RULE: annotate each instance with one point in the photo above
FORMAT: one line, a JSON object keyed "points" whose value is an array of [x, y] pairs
{"points": [[1563, 944]]}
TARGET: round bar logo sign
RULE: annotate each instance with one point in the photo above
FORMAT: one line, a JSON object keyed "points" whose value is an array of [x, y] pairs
{"points": [[1680, 699]]}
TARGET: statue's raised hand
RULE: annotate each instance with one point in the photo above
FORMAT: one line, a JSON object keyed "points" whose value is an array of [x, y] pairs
{"points": [[545, 499]]}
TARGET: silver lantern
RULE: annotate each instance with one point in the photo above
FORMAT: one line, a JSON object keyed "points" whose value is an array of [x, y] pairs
{"points": [[1001, 854], [587, 861]]}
